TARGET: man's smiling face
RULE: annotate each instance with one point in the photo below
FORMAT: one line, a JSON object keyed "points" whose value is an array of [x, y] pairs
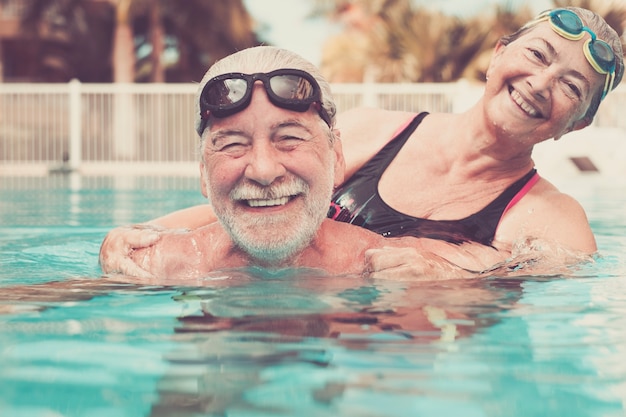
{"points": [[269, 174]]}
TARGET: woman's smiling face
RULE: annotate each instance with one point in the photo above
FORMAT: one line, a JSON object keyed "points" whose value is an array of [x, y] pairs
{"points": [[540, 85]]}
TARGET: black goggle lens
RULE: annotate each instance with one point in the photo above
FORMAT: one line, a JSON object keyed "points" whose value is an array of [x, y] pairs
{"points": [[224, 93], [290, 89]]}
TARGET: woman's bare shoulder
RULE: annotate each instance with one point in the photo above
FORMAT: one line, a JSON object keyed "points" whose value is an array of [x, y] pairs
{"points": [[375, 123], [547, 213]]}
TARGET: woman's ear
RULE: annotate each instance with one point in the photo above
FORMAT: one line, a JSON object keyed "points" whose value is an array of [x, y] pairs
{"points": [[497, 51]]}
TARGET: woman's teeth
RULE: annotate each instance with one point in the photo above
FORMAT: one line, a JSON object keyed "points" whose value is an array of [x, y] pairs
{"points": [[519, 100]]}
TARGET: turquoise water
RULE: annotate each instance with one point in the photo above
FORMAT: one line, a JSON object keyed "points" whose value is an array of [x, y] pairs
{"points": [[292, 344]]}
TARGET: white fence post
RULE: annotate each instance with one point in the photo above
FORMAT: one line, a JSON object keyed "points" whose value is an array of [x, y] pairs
{"points": [[75, 113], [370, 95], [124, 135], [466, 95]]}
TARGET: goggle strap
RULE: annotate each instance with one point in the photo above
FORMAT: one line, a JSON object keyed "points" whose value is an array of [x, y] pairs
{"points": [[608, 84]]}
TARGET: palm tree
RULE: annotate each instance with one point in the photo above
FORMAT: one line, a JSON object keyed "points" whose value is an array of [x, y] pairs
{"points": [[393, 41], [123, 51], [69, 37], [77, 37]]}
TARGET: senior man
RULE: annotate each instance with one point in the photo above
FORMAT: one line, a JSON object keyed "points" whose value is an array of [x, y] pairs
{"points": [[269, 161]]}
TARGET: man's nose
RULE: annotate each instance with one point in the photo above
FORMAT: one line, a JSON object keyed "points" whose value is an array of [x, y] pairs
{"points": [[265, 165]]}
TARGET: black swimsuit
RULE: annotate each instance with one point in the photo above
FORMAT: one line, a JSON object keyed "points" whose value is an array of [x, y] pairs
{"points": [[358, 202]]}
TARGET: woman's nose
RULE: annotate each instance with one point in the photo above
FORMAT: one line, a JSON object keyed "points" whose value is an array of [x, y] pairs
{"points": [[541, 84]]}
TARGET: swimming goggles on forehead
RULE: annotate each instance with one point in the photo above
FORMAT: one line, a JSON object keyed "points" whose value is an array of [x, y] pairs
{"points": [[599, 53], [290, 89]]}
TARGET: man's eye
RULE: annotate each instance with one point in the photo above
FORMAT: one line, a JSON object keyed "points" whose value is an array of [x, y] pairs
{"points": [[289, 142], [230, 147]]}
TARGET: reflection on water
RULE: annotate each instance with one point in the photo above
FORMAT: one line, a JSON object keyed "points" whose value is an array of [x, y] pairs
{"points": [[296, 343], [303, 344]]}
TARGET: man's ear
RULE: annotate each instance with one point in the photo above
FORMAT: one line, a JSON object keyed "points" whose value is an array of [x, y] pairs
{"points": [[204, 180], [340, 162]]}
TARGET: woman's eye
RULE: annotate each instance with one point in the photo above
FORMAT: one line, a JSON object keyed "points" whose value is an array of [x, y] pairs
{"points": [[537, 54], [574, 89]]}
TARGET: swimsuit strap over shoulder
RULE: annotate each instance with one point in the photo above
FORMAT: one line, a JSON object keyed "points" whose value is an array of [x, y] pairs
{"points": [[379, 162], [358, 202]]}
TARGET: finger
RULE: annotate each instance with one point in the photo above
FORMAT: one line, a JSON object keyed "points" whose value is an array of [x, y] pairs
{"points": [[400, 273], [141, 238], [379, 259], [122, 265], [127, 266]]}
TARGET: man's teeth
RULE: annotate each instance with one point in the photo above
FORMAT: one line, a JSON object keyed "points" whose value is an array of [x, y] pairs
{"points": [[523, 104], [265, 203]]}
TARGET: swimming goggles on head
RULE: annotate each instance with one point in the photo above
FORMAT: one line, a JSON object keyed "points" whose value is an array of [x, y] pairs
{"points": [[290, 89], [599, 53]]}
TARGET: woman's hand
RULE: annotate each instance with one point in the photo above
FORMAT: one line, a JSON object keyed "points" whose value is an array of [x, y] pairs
{"points": [[410, 264], [120, 243], [427, 259]]}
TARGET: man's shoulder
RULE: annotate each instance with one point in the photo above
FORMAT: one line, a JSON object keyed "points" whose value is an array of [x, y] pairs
{"points": [[347, 233]]}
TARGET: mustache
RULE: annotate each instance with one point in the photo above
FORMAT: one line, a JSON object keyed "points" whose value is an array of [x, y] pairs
{"points": [[253, 191]]}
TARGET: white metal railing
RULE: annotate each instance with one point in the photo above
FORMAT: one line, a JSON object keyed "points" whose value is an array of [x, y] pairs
{"points": [[148, 128]]}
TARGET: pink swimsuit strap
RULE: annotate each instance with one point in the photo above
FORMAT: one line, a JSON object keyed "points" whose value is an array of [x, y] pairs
{"points": [[403, 126], [521, 193]]}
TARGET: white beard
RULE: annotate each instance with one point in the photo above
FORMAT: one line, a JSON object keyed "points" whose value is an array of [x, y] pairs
{"points": [[274, 239]]}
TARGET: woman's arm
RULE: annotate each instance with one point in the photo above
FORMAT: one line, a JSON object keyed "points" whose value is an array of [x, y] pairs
{"points": [[547, 215], [188, 218], [120, 243]]}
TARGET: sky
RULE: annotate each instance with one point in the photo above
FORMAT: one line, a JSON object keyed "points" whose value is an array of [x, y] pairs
{"points": [[285, 23]]}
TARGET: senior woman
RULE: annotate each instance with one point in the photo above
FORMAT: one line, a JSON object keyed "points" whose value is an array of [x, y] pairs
{"points": [[470, 177]]}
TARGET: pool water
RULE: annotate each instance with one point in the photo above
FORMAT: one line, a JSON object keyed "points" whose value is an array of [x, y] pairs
{"points": [[293, 343]]}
